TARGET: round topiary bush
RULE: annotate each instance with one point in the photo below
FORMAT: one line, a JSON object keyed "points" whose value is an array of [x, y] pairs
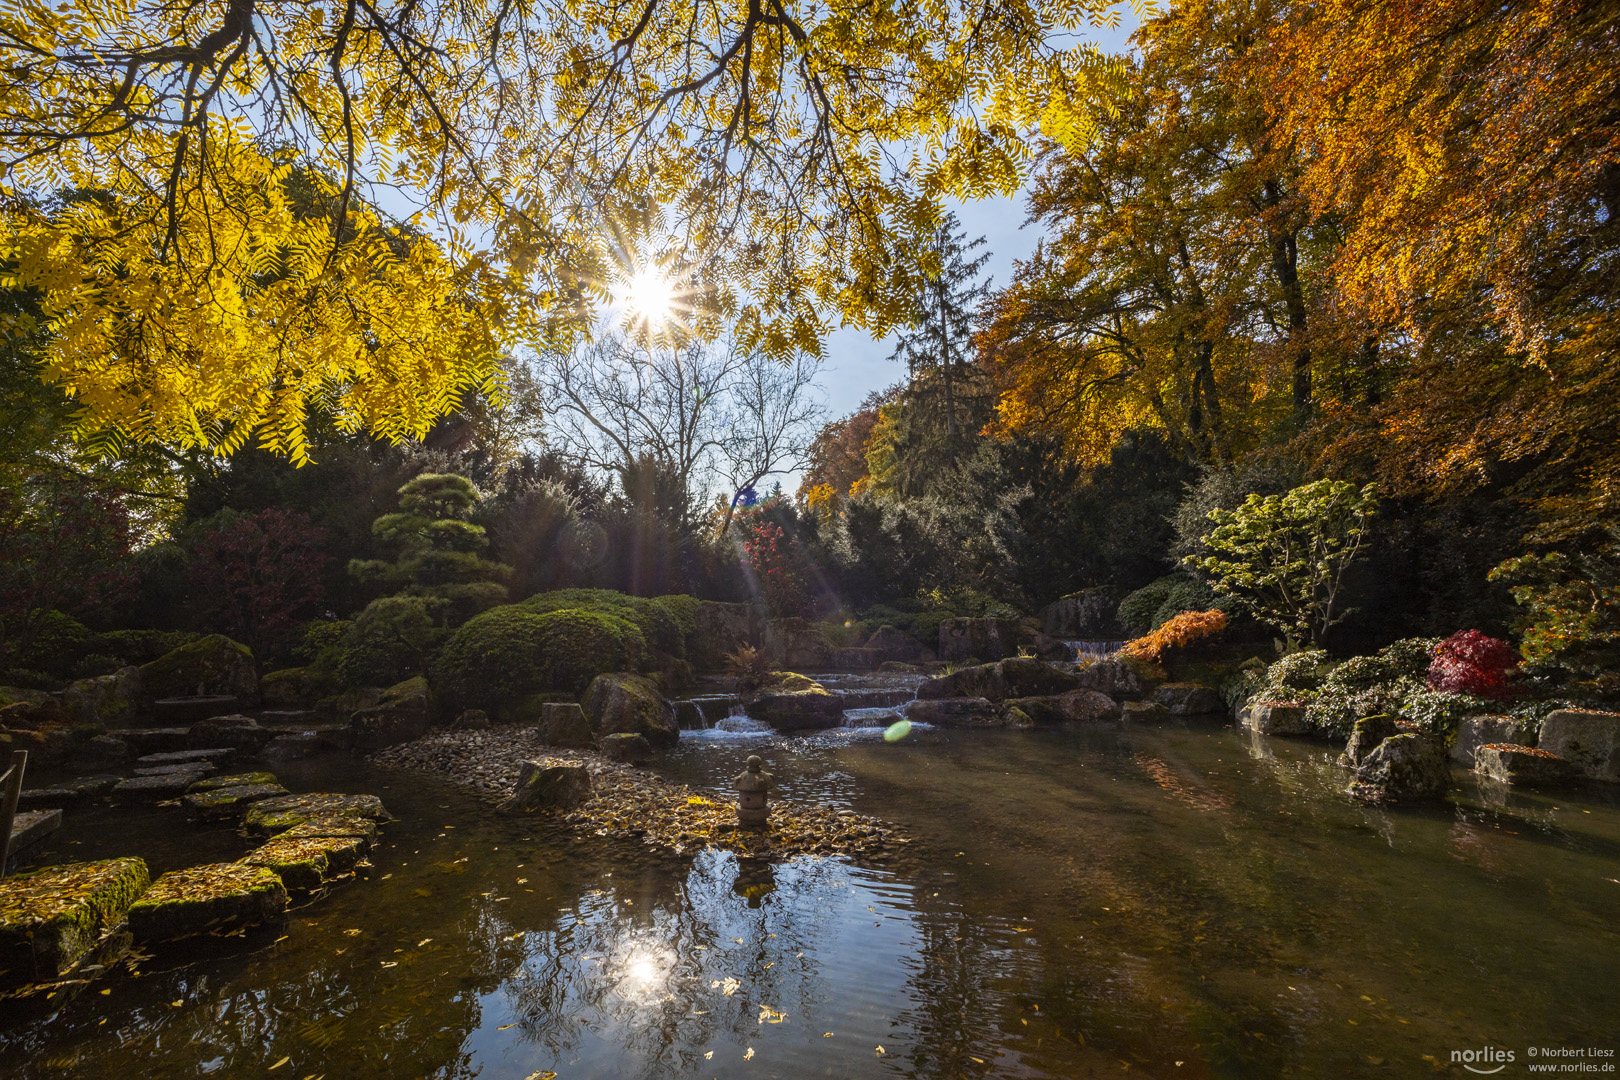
{"points": [[659, 626], [502, 655]]}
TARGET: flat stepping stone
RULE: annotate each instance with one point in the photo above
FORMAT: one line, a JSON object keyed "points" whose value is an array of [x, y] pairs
{"points": [[66, 794], [234, 780], [196, 769], [189, 710], [223, 804], [345, 828], [145, 789], [155, 740], [208, 899], [50, 918], [181, 757], [304, 865], [31, 826], [278, 815]]}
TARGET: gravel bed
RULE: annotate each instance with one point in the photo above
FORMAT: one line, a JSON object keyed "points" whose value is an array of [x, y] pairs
{"points": [[632, 803]]}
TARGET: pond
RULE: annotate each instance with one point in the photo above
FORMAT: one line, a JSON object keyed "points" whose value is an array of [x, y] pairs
{"points": [[1162, 901]]}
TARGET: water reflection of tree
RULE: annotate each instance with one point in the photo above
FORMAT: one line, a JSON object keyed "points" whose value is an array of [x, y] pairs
{"points": [[592, 976]]}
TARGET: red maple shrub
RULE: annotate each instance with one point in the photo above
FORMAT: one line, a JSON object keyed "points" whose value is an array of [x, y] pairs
{"points": [[1469, 662]]}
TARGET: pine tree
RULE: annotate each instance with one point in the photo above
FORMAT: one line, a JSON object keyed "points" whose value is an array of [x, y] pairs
{"points": [[938, 351]]}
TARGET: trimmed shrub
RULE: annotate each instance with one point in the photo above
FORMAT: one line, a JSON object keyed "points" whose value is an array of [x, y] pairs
{"points": [[505, 654], [394, 638], [661, 627], [1137, 610]]}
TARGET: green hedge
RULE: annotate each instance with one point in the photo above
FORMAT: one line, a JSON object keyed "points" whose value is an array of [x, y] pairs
{"points": [[664, 621], [501, 656]]}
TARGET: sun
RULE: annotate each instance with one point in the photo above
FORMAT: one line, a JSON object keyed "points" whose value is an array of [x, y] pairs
{"points": [[649, 296]]}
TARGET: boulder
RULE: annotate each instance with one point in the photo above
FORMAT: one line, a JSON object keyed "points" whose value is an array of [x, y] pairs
{"points": [[980, 680], [22, 708], [797, 643], [626, 747], [1366, 736], [234, 730], [1115, 678], [1025, 676], [1280, 718], [296, 688], [213, 665], [50, 918], [1524, 765], [108, 700], [102, 750], [890, 643], [52, 746], [1475, 731], [1076, 706], [472, 720], [1588, 740], [402, 713], [621, 701], [1088, 614], [1054, 649], [956, 712], [855, 659], [1405, 767], [217, 898], [988, 639], [805, 711], [1189, 699], [562, 785], [563, 724], [720, 629], [1143, 711]]}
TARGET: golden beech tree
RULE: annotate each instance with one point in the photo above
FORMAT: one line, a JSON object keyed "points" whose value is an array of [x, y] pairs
{"points": [[768, 156], [1471, 150], [1177, 288]]}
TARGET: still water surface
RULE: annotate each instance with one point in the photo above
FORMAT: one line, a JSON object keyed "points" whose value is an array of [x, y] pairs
{"points": [[1163, 902]]}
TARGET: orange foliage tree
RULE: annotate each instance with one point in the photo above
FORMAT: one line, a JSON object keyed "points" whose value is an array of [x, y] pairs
{"points": [[1182, 629]]}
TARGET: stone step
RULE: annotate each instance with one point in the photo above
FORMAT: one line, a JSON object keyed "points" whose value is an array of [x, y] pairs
{"points": [[157, 740], [216, 756], [189, 710], [29, 827], [50, 919], [67, 794]]}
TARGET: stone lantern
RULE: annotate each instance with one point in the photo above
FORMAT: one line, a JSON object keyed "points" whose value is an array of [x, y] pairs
{"points": [[753, 788]]}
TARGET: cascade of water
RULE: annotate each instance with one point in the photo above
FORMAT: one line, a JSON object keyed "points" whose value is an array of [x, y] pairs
{"points": [[1094, 650]]}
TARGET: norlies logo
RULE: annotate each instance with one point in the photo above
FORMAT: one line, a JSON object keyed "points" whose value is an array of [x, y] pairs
{"points": [[1475, 1061]]}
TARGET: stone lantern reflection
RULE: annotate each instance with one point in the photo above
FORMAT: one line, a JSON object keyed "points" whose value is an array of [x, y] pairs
{"points": [[754, 786]]}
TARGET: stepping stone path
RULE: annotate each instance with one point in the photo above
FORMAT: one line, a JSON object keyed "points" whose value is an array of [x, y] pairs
{"points": [[51, 918], [217, 898], [304, 866], [66, 794], [226, 803], [156, 788], [184, 757], [197, 768]]}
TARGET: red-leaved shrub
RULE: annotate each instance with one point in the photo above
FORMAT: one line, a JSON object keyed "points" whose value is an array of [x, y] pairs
{"points": [[1469, 662]]}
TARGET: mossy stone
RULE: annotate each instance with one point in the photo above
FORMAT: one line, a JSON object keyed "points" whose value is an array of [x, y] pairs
{"points": [[222, 804], [50, 918], [211, 665], [233, 780], [363, 832], [282, 813], [302, 865], [208, 899]]}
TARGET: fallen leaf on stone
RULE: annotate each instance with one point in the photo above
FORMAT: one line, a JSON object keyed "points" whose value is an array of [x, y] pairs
{"points": [[826, 1035], [280, 1063], [423, 942], [749, 1054], [177, 1004], [389, 963], [352, 933]]}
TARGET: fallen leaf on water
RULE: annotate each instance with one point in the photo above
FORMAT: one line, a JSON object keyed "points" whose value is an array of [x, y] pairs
{"points": [[826, 1035], [352, 933], [709, 1055], [768, 1015], [881, 1050], [423, 942], [280, 1063], [503, 1027], [738, 940], [177, 1004], [749, 1054], [546, 1074], [729, 987], [1022, 929], [390, 963], [104, 993]]}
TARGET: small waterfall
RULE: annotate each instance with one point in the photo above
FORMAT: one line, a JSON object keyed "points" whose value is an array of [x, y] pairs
{"points": [[1094, 650], [740, 723]]}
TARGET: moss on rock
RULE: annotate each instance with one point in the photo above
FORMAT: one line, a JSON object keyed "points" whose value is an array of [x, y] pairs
{"points": [[222, 804], [50, 918], [302, 865], [233, 780], [282, 813], [208, 899], [211, 665]]}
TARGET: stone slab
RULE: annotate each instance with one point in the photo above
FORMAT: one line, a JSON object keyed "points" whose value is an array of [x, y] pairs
{"points": [[208, 899], [195, 769], [147, 789], [279, 814], [50, 918], [226, 803], [215, 755], [67, 794], [29, 827], [305, 864]]}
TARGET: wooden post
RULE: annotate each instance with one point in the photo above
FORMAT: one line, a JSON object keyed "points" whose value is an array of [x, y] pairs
{"points": [[11, 782]]}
